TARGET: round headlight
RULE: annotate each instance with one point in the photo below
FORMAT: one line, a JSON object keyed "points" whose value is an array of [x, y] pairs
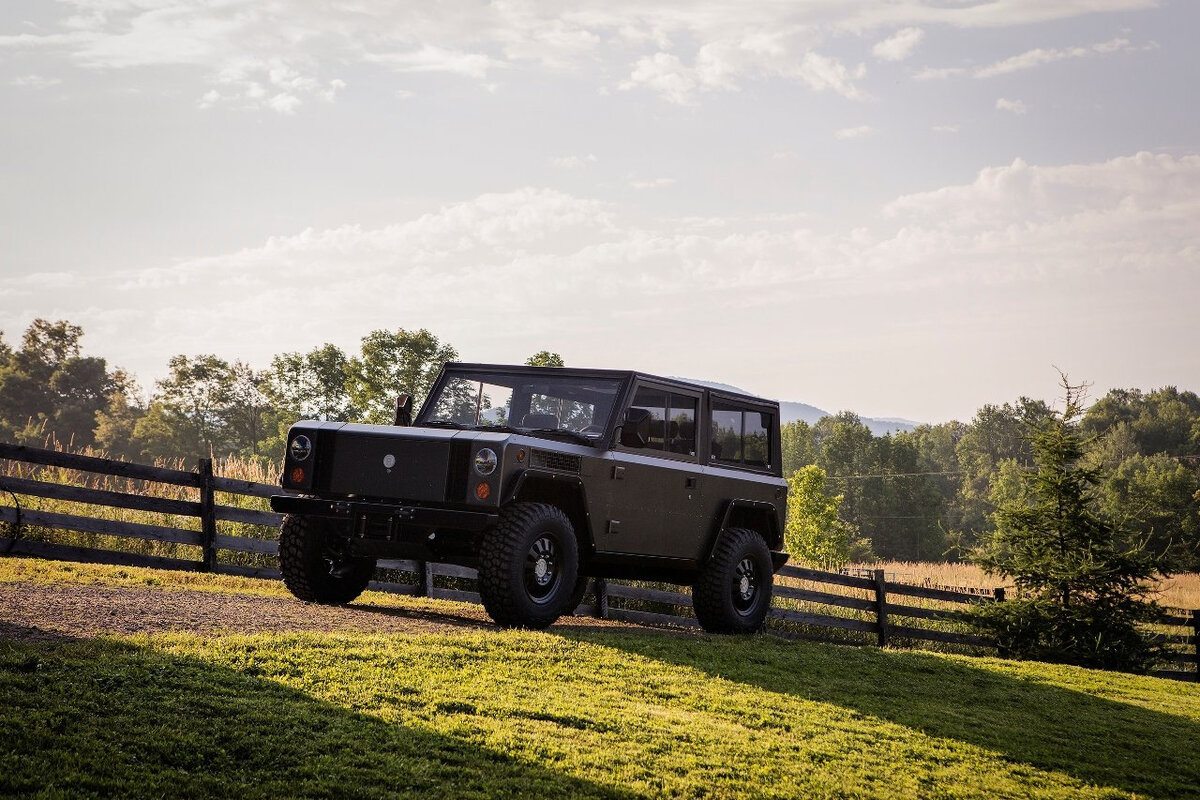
{"points": [[485, 461], [301, 448]]}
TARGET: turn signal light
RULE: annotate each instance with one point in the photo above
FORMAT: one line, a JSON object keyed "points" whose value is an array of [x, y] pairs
{"points": [[482, 490], [297, 475]]}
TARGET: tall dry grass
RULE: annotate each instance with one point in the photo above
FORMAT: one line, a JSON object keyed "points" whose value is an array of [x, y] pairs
{"points": [[254, 470]]}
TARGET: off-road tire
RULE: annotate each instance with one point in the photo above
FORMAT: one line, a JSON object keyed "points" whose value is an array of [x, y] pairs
{"points": [[312, 567], [719, 595], [529, 537]]}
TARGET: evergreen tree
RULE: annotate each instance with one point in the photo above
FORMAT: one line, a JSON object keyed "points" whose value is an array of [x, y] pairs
{"points": [[1080, 579]]}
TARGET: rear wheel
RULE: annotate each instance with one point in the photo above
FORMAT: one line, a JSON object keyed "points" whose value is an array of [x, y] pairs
{"points": [[733, 593], [528, 566], [315, 564]]}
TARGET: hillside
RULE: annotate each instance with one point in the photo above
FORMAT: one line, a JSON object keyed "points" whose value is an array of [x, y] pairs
{"points": [[790, 411], [461, 709]]}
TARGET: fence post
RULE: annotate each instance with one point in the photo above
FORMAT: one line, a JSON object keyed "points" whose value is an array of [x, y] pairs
{"points": [[601, 586], [881, 606], [1196, 639], [427, 579], [208, 516]]}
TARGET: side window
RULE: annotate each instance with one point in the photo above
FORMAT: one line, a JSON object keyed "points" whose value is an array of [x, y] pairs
{"points": [[655, 404], [666, 421], [741, 436], [726, 434], [681, 428]]}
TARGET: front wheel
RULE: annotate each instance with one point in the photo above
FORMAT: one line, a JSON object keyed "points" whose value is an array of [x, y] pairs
{"points": [[314, 562], [528, 566], [733, 593]]}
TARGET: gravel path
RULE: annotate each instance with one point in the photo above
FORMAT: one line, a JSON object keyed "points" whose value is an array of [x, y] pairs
{"points": [[39, 612]]}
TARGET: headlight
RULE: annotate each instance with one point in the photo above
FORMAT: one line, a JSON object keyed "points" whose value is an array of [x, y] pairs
{"points": [[485, 461], [300, 448]]}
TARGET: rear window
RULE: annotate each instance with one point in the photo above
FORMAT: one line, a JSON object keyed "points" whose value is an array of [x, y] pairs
{"points": [[740, 436]]}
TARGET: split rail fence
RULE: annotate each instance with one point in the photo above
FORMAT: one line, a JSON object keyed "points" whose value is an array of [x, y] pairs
{"points": [[808, 603]]}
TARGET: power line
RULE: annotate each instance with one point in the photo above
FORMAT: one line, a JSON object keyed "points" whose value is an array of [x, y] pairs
{"points": [[889, 475]]}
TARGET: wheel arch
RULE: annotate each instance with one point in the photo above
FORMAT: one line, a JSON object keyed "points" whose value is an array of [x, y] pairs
{"points": [[754, 515], [565, 492]]}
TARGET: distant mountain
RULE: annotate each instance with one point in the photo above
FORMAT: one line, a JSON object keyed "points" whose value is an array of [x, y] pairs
{"points": [[792, 411]]}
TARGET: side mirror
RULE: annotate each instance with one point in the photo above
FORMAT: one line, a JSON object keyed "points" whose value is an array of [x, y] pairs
{"points": [[404, 405], [635, 430]]}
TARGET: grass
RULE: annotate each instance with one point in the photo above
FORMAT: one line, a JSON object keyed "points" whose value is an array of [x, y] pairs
{"points": [[565, 713]]}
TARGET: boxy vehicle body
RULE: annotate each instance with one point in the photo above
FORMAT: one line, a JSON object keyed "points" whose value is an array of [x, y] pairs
{"points": [[540, 478]]}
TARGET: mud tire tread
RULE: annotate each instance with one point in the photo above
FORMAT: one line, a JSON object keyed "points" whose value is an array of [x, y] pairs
{"points": [[710, 594], [502, 552], [305, 573]]}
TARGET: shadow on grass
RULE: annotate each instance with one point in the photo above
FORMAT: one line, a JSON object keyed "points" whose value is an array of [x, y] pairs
{"points": [[107, 718], [1027, 721]]}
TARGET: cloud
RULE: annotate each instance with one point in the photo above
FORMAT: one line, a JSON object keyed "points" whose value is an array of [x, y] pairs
{"points": [[35, 82], [1035, 58], [1011, 106], [572, 162], [283, 54], [578, 258], [854, 133], [932, 74], [655, 183], [438, 59], [898, 46], [945, 128]]}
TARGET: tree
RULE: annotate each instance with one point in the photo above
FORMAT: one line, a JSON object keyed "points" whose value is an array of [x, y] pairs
{"points": [[1156, 498], [1080, 579], [117, 421], [310, 385], [393, 363], [995, 434], [544, 358], [814, 533], [796, 438], [49, 389]]}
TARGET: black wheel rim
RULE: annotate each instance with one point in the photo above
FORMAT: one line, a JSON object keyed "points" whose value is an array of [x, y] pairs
{"points": [[542, 573], [746, 586], [338, 564]]}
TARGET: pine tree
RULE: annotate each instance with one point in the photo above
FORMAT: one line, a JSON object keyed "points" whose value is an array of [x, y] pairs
{"points": [[1081, 580]]}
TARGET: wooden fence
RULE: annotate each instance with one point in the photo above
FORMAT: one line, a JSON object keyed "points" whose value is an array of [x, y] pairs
{"points": [[809, 604]]}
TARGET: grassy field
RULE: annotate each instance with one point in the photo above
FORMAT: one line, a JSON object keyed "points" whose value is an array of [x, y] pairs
{"points": [[566, 713]]}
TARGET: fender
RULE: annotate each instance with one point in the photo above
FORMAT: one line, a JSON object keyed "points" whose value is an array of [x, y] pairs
{"points": [[773, 535], [575, 482]]}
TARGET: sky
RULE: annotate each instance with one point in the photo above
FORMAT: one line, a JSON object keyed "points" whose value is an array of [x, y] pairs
{"points": [[906, 209]]}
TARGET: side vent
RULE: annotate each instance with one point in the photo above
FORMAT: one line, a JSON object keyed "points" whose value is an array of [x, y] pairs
{"points": [[557, 462]]}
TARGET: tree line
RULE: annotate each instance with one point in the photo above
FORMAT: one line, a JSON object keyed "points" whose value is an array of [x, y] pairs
{"points": [[928, 494], [932, 493]]}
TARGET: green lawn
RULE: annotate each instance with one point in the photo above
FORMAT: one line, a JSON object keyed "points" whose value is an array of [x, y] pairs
{"points": [[572, 712]]}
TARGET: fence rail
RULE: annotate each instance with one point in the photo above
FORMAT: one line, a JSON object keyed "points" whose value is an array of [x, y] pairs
{"points": [[856, 609]]}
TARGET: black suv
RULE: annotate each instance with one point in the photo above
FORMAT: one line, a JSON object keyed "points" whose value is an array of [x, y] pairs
{"points": [[540, 477]]}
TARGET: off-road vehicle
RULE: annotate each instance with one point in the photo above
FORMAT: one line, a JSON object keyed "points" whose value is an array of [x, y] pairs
{"points": [[540, 477]]}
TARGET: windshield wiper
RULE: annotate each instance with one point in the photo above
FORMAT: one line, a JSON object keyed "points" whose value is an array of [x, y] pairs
{"points": [[579, 437], [443, 423], [496, 427]]}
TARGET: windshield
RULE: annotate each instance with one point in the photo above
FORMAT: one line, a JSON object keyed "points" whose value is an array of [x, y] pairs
{"points": [[524, 402]]}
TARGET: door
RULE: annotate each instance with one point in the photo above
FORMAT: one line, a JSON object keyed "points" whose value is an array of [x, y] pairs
{"points": [[655, 480]]}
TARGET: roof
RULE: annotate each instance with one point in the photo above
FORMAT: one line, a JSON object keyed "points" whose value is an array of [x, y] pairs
{"points": [[583, 372]]}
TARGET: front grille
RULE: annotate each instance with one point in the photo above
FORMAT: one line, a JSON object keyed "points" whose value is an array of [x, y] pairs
{"points": [[457, 475], [559, 462]]}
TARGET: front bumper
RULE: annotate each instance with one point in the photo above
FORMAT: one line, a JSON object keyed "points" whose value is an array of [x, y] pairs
{"points": [[395, 513]]}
